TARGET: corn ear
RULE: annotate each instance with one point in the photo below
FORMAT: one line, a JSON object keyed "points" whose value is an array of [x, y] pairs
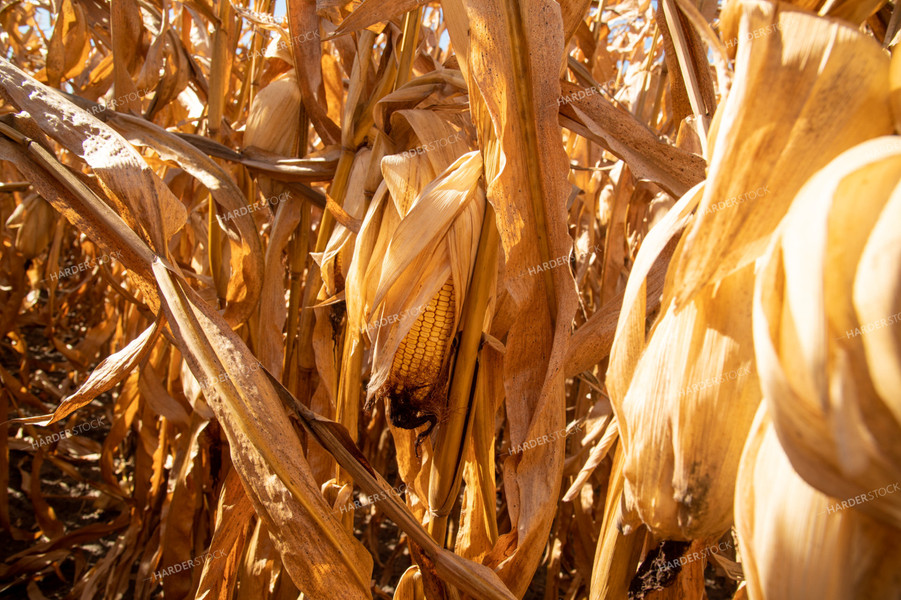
{"points": [[683, 422], [453, 438], [829, 359], [423, 351], [420, 290], [687, 419], [276, 103], [797, 542]]}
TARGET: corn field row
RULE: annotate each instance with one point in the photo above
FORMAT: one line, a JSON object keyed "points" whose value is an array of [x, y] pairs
{"points": [[437, 300]]}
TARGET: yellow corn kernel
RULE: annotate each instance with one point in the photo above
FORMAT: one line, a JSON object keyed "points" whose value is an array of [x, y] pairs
{"points": [[421, 355], [339, 272]]}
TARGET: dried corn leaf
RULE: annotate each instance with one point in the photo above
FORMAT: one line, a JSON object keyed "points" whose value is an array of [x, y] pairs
{"points": [[246, 252], [371, 12], [815, 341], [797, 542], [315, 548], [842, 77], [509, 55], [114, 161]]}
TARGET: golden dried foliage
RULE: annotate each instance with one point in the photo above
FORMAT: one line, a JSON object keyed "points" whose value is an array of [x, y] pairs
{"points": [[430, 300]]}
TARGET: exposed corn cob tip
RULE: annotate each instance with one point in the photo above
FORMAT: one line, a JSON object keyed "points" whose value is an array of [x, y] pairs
{"points": [[416, 390], [339, 273]]}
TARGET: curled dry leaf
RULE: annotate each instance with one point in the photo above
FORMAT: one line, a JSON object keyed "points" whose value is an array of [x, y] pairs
{"points": [[246, 252], [828, 358], [109, 373], [511, 51], [322, 192], [134, 185], [842, 76], [313, 545], [796, 541]]}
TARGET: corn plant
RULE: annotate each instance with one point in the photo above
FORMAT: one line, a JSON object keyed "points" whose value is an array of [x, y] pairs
{"points": [[432, 300]]}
